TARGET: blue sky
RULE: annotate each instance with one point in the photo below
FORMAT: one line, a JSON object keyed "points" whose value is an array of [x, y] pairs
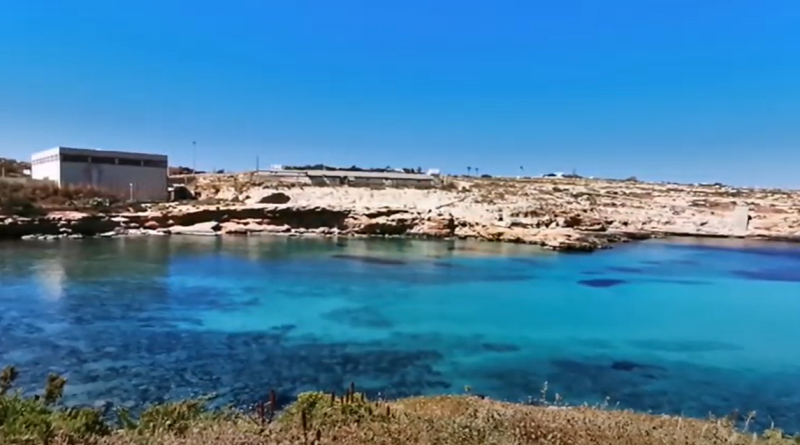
{"points": [[679, 90]]}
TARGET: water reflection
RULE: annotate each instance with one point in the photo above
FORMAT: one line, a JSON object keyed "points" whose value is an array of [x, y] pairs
{"points": [[52, 278]]}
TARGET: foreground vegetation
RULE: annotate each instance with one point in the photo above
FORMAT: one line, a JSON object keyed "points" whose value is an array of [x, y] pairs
{"points": [[34, 198], [319, 418], [11, 168]]}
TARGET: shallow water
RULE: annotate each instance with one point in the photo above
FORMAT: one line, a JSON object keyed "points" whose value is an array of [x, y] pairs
{"points": [[667, 327]]}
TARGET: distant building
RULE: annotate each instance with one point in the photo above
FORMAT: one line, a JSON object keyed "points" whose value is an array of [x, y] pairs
{"points": [[136, 176], [353, 178], [371, 179]]}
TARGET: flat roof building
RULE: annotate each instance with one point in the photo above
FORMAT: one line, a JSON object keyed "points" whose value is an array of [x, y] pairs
{"points": [[135, 176], [371, 179]]}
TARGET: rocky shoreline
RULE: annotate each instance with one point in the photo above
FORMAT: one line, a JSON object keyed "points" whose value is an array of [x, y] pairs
{"points": [[292, 221], [562, 234], [562, 215]]}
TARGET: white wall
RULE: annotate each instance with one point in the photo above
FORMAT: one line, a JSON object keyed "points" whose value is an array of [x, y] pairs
{"points": [[50, 170], [738, 220], [149, 183]]}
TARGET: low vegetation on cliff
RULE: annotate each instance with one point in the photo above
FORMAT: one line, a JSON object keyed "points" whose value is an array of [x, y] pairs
{"points": [[11, 168], [34, 198], [320, 418]]}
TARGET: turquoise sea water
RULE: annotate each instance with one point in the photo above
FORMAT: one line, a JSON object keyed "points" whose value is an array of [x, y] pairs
{"points": [[667, 327]]}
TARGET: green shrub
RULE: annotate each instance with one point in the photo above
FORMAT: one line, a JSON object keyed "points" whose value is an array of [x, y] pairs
{"points": [[37, 419], [25, 420], [172, 417], [316, 409]]}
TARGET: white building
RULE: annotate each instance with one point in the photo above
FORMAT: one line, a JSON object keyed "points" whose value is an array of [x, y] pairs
{"points": [[137, 176]]}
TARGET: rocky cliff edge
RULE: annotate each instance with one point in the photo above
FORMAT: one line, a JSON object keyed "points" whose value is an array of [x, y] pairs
{"points": [[559, 214]]}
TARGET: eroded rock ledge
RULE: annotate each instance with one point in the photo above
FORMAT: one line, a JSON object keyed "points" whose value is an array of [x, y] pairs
{"points": [[564, 232], [578, 215]]}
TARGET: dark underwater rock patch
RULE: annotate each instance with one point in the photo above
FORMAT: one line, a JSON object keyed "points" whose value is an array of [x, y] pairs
{"points": [[371, 260], [685, 262], [629, 366], [779, 275], [500, 347], [501, 277], [684, 282], [132, 367], [684, 346], [674, 262], [784, 253], [594, 343], [592, 380], [443, 264], [240, 369], [360, 317], [528, 261], [774, 250], [602, 283], [626, 269]]}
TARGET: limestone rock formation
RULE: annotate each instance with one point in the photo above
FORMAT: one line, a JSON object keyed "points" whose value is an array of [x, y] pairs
{"points": [[559, 214]]}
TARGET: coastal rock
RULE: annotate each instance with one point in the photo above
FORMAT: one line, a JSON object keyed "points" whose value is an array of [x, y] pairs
{"points": [[275, 198], [393, 224], [436, 226], [57, 223], [210, 228], [558, 214]]}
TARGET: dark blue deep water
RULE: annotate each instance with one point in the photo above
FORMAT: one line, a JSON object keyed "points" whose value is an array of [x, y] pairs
{"points": [[667, 327]]}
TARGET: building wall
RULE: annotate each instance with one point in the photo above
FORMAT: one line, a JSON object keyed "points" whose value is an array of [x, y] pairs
{"points": [[140, 176], [46, 169], [147, 183], [739, 221], [361, 181], [45, 166], [284, 177], [417, 183]]}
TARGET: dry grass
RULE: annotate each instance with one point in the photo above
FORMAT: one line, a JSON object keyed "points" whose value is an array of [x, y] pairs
{"points": [[458, 421], [320, 418], [34, 198]]}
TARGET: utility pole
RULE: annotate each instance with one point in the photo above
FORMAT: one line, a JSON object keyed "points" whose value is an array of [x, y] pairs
{"points": [[194, 157], [257, 164]]}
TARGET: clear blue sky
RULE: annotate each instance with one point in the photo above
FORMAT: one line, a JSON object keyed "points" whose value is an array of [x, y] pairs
{"points": [[675, 90]]}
